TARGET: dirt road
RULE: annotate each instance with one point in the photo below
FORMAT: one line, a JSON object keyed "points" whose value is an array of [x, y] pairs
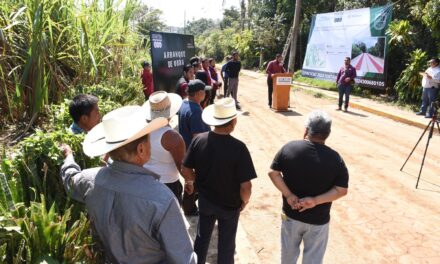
{"points": [[383, 219]]}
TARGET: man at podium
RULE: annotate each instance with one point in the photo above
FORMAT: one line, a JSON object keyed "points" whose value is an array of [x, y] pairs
{"points": [[275, 66]]}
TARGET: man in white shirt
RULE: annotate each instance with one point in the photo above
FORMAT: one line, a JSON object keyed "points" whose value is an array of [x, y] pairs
{"points": [[430, 84]]}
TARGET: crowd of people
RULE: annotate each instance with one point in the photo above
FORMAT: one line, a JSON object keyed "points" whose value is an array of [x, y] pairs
{"points": [[137, 203]]}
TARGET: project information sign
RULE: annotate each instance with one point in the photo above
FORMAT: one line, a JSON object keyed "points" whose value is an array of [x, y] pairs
{"points": [[358, 34], [169, 53]]}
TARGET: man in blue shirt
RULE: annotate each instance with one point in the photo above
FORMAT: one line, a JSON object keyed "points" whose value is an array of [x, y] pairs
{"points": [[84, 111], [190, 125]]}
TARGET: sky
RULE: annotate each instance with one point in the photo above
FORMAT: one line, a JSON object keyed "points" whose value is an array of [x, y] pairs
{"points": [[173, 10]]}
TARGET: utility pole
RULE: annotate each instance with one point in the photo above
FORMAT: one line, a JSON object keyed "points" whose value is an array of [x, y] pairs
{"points": [[291, 66]]}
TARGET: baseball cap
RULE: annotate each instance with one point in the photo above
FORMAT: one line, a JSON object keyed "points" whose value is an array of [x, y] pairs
{"points": [[197, 85]]}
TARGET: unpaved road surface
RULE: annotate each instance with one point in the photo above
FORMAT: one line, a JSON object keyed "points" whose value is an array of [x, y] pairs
{"points": [[383, 219]]}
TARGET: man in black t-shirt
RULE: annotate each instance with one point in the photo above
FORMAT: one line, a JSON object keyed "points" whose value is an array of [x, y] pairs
{"points": [[310, 176], [233, 68], [222, 168]]}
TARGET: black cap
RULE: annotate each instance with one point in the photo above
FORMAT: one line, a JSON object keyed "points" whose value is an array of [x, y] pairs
{"points": [[197, 85]]}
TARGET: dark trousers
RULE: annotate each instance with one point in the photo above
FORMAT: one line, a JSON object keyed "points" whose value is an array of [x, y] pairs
{"points": [[225, 86], [177, 188], [189, 203], [209, 213], [429, 95], [269, 90], [344, 89]]}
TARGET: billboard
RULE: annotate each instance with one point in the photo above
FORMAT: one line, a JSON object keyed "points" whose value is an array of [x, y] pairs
{"points": [[169, 53], [358, 34]]}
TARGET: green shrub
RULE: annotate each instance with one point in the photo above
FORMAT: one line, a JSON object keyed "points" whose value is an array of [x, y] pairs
{"points": [[408, 87], [33, 167], [39, 233]]}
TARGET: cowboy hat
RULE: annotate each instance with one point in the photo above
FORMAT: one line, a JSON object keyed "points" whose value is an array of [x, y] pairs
{"points": [[162, 104], [220, 113], [118, 128]]}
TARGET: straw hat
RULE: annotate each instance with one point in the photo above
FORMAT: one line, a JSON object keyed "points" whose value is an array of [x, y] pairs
{"points": [[118, 128], [219, 113], [162, 104]]}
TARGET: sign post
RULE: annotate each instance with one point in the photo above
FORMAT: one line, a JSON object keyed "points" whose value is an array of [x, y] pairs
{"points": [[281, 91]]}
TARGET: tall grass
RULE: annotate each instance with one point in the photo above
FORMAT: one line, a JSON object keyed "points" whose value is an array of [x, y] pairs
{"points": [[47, 46]]}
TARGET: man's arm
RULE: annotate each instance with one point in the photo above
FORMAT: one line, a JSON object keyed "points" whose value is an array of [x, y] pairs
{"points": [[69, 171], [174, 237], [269, 69], [339, 76], [189, 175], [279, 183], [173, 143], [334, 193], [245, 193]]}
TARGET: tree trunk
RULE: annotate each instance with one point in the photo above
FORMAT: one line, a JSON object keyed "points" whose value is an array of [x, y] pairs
{"points": [[292, 55]]}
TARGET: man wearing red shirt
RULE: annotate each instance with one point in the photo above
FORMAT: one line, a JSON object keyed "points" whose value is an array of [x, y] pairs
{"points": [[147, 80], [275, 66]]}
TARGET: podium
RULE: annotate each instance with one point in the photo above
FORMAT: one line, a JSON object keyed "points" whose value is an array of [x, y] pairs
{"points": [[282, 83]]}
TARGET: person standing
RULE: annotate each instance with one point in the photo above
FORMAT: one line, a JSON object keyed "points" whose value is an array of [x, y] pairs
{"points": [[225, 76], [216, 83], [345, 81], [430, 84], [275, 66], [182, 83], [137, 218], [190, 125], [309, 175], [147, 79], [167, 146], [222, 169], [233, 68]]}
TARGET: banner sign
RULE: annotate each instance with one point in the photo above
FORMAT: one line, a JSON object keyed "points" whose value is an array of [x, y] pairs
{"points": [[358, 34], [284, 80], [169, 53]]}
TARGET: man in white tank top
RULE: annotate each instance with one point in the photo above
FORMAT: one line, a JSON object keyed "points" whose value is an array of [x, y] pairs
{"points": [[167, 146]]}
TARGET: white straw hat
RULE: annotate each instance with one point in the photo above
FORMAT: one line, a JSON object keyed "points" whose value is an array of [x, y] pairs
{"points": [[118, 128], [219, 113], [162, 104]]}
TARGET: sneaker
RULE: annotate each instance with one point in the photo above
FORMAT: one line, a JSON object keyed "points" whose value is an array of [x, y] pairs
{"points": [[345, 109], [238, 107], [338, 109], [420, 113]]}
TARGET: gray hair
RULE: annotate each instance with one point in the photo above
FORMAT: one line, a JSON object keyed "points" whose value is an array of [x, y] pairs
{"points": [[318, 123]]}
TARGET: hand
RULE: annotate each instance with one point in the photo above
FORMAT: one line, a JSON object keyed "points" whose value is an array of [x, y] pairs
{"points": [[243, 205], [347, 79], [306, 203], [66, 150], [189, 187], [292, 200]]}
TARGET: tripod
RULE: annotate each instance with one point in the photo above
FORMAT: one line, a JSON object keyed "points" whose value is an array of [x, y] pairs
{"points": [[431, 125]]}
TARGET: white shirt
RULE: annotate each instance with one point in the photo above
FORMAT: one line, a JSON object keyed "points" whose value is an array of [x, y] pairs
{"points": [[435, 81], [161, 161]]}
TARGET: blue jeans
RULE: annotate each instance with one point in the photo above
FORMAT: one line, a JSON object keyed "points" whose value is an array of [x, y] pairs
{"points": [[429, 95], [209, 213], [344, 89], [314, 237]]}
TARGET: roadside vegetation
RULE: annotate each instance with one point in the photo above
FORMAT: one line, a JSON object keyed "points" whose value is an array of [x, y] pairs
{"points": [[51, 50]]}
